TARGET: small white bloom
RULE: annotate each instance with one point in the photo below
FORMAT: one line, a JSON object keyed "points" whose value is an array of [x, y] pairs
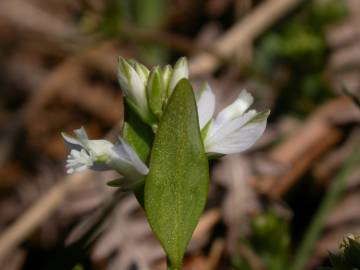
{"points": [[133, 83], [181, 71], [234, 129], [102, 155], [79, 161]]}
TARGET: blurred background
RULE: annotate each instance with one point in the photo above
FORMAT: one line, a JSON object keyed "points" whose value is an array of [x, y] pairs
{"points": [[282, 205]]}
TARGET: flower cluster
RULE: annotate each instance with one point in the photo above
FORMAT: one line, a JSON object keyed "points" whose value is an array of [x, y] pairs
{"points": [[233, 130], [147, 91]]}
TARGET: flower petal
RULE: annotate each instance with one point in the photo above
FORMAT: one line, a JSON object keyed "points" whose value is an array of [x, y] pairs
{"points": [[82, 136], [181, 71], [132, 157], [220, 131], [241, 140], [237, 108], [71, 142], [205, 105], [245, 132], [78, 161]]}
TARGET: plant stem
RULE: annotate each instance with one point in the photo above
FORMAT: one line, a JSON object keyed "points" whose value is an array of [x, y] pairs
{"points": [[331, 198], [170, 266]]}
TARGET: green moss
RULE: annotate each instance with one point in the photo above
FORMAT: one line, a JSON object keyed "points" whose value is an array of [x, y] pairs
{"points": [[270, 239]]}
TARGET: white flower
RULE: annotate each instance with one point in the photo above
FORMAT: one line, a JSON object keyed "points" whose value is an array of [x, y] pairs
{"points": [[103, 155], [132, 78], [234, 129]]}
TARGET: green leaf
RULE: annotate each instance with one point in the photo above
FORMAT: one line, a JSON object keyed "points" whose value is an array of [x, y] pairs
{"points": [[177, 185]]}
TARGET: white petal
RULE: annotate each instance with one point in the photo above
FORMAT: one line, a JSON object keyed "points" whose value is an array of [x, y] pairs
{"points": [[181, 71], [81, 135], [219, 131], [136, 162], [100, 147], [78, 161], [205, 105], [240, 140], [237, 108], [71, 142]]}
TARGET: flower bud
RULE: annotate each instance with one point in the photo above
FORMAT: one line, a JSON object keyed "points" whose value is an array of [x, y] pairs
{"points": [[181, 71], [132, 81], [156, 91], [166, 75]]}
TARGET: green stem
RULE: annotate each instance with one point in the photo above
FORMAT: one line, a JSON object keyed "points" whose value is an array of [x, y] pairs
{"points": [[331, 198], [170, 266]]}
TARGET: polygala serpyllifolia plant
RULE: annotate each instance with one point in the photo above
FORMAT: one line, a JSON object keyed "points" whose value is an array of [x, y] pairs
{"points": [[162, 153]]}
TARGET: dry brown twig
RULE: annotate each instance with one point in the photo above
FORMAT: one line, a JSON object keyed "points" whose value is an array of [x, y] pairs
{"points": [[242, 34], [216, 251], [327, 166], [35, 215], [296, 154], [252, 258]]}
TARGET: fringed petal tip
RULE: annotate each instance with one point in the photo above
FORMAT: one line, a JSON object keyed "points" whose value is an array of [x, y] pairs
{"points": [[79, 161]]}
